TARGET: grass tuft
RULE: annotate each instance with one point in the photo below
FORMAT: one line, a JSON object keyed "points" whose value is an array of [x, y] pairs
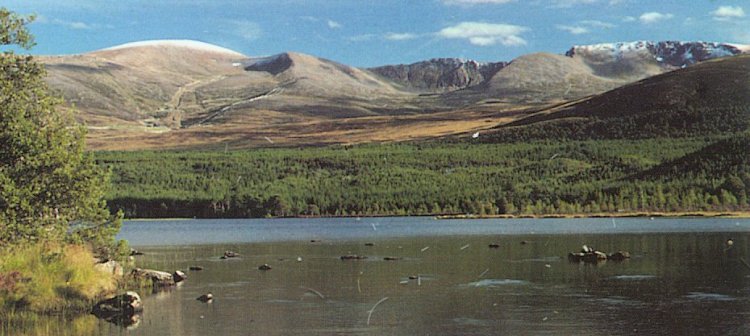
{"points": [[50, 278]]}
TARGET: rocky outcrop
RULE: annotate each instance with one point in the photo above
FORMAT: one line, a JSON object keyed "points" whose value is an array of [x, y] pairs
{"points": [[669, 53], [439, 74]]}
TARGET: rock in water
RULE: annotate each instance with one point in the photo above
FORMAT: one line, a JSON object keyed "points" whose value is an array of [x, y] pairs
{"points": [[352, 257], [619, 256], [208, 297], [179, 276], [157, 278], [120, 310], [264, 267]]}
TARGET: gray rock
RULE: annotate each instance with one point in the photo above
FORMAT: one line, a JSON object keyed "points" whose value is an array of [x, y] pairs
{"points": [[157, 278], [179, 276], [110, 267], [121, 310], [619, 256]]}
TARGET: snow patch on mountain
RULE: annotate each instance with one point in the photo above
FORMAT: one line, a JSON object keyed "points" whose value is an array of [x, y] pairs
{"points": [[670, 53], [187, 44]]}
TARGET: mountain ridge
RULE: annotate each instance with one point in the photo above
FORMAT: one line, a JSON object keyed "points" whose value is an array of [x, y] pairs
{"points": [[191, 88]]}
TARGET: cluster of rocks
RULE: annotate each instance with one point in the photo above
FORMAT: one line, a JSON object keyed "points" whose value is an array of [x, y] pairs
{"points": [[590, 255], [123, 310]]}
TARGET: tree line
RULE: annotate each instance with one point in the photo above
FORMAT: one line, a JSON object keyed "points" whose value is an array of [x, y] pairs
{"points": [[538, 177]]}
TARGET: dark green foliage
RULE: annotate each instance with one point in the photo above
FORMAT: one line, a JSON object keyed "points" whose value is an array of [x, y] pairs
{"points": [[419, 179], [50, 189]]}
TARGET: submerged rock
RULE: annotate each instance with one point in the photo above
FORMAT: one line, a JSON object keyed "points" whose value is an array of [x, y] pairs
{"points": [[230, 254], [264, 267], [196, 268], [587, 257], [352, 257], [619, 256]]}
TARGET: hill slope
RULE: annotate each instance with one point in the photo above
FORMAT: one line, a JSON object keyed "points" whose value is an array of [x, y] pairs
{"points": [[183, 93], [708, 98], [139, 81]]}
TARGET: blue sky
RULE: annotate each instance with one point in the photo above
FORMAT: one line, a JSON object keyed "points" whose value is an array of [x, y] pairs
{"points": [[379, 32]]}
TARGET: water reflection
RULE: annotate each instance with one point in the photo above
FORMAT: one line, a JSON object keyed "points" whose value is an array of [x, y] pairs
{"points": [[678, 283], [674, 284]]}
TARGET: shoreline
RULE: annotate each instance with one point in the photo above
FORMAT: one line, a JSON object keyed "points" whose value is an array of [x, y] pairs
{"points": [[695, 214]]}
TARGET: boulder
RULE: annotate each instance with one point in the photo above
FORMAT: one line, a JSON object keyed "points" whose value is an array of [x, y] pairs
{"points": [[587, 257], [121, 310], [110, 267], [157, 278], [229, 254], [619, 256], [179, 276], [208, 297], [264, 267]]}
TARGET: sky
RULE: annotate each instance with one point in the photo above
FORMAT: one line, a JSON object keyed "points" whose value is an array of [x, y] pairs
{"points": [[369, 33]]}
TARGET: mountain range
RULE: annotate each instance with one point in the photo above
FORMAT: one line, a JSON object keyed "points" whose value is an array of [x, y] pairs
{"points": [[177, 94]]}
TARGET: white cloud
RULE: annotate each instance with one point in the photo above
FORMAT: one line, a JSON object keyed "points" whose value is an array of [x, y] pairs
{"points": [[726, 13], [629, 19], [247, 30], [400, 36], [486, 34], [475, 2], [333, 24], [575, 30], [571, 3], [361, 38], [78, 25], [585, 26], [653, 17], [598, 24]]}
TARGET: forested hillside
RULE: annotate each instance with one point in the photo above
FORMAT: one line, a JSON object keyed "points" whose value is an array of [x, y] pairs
{"points": [[541, 177]]}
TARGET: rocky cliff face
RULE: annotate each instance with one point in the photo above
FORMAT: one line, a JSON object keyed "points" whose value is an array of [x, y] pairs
{"points": [[668, 53], [440, 74]]}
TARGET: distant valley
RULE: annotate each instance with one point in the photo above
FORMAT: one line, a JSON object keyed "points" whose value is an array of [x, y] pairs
{"points": [[188, 94]]}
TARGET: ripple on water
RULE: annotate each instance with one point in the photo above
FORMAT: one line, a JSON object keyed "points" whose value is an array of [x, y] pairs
{"points": [[701, 296], [616, 301], [497, 283], [635, 277], [465, 321]]}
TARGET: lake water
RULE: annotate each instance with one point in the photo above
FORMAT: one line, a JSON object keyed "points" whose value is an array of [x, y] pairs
{"points": [[682, 278]]}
